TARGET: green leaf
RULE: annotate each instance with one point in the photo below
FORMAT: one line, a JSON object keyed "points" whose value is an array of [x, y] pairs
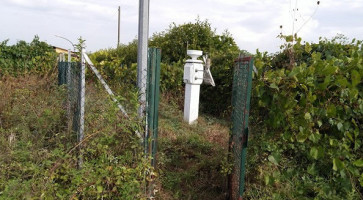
{"points": [[349, 135], [358, 163], [307, 116], [274, 158], [315, 137], [333, 142], [269, 180], [330, 69], [289, 38], [301, 137], [325, 84], [303, 86], [99, 188], [337, 164], [340, 126], [353, 93], [331, 110], [274, 86], [342, 82], [314, 153], [308, 47], [312, 169], [356, 79]]}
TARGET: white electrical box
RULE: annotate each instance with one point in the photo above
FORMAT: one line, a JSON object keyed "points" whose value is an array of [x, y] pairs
{"points": [[189, 72], [193, 68], [199, 72], [193, 73]]}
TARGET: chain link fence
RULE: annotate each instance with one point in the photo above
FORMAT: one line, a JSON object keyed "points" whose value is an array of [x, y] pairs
{"points": [[241, 95], [69, 73]]}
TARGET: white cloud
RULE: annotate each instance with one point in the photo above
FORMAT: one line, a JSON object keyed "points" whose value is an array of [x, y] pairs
{"points": [[254, 24]]}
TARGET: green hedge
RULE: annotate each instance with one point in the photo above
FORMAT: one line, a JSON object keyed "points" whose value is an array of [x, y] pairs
{"points": [[311, 114], [34, 57]]}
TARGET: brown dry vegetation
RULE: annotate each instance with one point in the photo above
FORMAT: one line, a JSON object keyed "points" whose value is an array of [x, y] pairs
{"points": [[192, 158]]}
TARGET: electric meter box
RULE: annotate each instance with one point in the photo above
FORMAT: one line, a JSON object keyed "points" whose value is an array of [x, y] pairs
{"points": [[193, 72]]}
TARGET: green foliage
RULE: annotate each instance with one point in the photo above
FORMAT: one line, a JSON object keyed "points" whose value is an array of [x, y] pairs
{"points": [[199, 35], [306, 117], [39, 156], [308, 99], [175, 41], [80, 44], [22, 58], [118, 65]]}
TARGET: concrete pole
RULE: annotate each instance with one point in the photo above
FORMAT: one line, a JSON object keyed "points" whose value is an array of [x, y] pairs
{"points": [[142, 54], [82, 94]]}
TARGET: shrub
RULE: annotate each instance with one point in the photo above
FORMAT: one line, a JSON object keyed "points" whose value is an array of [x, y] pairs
{"points": [[311, 115], [35, 57]]}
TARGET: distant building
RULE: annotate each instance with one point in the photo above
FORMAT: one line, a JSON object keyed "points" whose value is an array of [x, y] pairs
{"points": [[62, 52]]}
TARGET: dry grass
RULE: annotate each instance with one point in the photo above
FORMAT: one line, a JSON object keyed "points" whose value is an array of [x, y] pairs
{"points": [[191, 157]]}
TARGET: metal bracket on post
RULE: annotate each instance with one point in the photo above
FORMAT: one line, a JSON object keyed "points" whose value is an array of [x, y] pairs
{"points": [[207, 77]]}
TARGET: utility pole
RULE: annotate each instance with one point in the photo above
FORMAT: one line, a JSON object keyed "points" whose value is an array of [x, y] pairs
{"points": [[118, 29], [142, 54]]}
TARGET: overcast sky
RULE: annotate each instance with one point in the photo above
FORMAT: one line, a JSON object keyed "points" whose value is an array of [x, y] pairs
{"points": [[253, 24]]}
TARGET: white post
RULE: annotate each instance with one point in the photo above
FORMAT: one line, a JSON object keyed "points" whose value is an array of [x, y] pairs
{"points": [[82, 95], [191, 103], [142, 53], [193, 78]]}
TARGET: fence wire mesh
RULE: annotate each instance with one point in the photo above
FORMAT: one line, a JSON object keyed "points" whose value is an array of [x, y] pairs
{"points": [[241, 93], [101, 113], [98, 105], [142, 77], [70, 73]]}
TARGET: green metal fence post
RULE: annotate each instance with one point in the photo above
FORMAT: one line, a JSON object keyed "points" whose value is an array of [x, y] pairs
{"points": [[153, 95], [152, 99], [156, 105], [241, 96]]}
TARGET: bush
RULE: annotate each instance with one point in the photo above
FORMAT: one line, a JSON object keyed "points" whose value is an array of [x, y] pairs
{"points": [[35, 57], [310, 112], [39, 156], [117, 64]]}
